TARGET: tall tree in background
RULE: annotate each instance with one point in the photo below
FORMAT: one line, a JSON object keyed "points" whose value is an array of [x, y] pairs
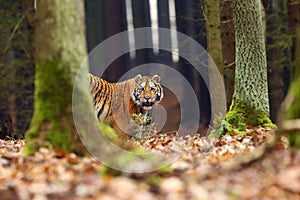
{"points": [[100, 25], [291, 105], [228, 45], [60, 48], [190, 21], [141, 18], [213, 32], [278, 45], [250, 104], [214, 47], [16, 69]]}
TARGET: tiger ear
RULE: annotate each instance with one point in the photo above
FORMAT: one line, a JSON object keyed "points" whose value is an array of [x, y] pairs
{"points": [[156, 78], [138, 78]]}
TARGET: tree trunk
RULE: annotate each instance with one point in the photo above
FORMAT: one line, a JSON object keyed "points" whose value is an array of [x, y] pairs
{"points": [[190, 21], [228, 44], [60, 46], [291, 103], [164, 22], [115, 25], [278, 43], [294, 22], [213, 32], [214, 46], [94, 19], [16, 66], [141, 18], [250, 105]]}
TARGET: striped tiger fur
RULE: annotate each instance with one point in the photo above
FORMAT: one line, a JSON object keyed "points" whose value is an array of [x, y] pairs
{"points": [[115, 103]]}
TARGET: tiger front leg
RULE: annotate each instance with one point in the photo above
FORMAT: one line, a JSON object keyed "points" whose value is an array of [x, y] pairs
{"points": [[125, 127], [132, 129]]}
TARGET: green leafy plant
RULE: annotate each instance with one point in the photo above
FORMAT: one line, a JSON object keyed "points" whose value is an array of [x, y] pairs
{"points": [[146, 126]]}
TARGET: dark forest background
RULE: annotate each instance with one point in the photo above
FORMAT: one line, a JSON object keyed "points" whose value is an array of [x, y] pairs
{"points": [[106, 18]]}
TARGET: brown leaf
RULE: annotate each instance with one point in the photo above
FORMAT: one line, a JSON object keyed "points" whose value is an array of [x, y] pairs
{"points": [[72, 158], [58, 153]]}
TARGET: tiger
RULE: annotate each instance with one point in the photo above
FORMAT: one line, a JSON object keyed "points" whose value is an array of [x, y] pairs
{"points": [[117, 103]]}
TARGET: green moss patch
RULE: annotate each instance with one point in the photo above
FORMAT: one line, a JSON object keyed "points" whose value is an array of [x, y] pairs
{"points": [[239, 117], [52, 122]]}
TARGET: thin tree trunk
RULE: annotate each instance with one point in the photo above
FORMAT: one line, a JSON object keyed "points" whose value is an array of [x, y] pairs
{"points": [[115, 25], [213, 32], [228, 42], [164, 22], [214, 46], [94, 18], [141, 18]]}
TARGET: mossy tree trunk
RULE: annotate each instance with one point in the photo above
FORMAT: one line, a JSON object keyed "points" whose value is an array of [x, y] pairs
{"points": [[60, 47], [250, 104]]}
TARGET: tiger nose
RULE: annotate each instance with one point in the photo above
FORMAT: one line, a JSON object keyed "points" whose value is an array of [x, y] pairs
{"points": [[147, 97]]}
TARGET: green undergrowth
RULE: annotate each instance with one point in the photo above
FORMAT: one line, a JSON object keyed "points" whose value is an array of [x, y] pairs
{"points": [[129, 157], [294, 140], [109, 132], [144, 125]]}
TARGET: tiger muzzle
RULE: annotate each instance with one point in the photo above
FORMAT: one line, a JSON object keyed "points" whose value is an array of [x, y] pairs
{"points": [[147, 103]]}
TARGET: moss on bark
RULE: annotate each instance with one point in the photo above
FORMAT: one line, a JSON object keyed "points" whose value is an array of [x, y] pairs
{"points": [[60, 48], [241, 115], [52, 122]]}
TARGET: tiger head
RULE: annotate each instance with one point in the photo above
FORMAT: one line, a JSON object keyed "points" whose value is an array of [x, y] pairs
{"points": [[147, 91]]}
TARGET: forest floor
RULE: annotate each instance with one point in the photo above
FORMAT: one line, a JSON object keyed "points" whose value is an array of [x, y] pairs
{"points": [[206, 170]]}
